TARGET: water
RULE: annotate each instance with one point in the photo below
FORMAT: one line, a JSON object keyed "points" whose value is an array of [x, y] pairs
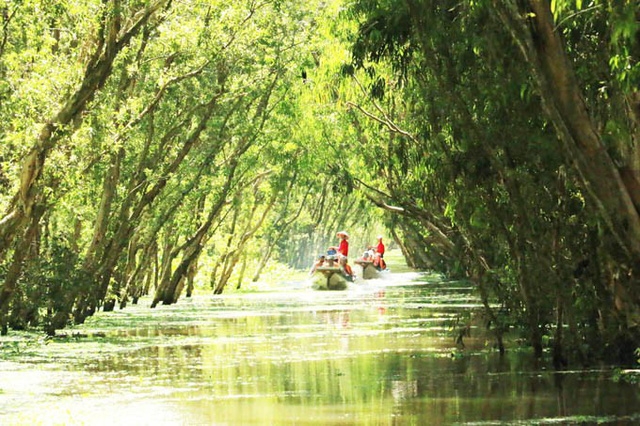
{"points": [[380, 353]]}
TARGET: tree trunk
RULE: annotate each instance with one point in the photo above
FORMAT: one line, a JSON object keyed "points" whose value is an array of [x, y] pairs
{"points": [[233, 256], [243, 269], [168, 255], [104, 210], [283, 227], [191, 274]]}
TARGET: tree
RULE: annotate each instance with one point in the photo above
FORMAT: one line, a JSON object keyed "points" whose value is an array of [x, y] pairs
{"points": [[114, 29], [160, 117], [475, 171]]}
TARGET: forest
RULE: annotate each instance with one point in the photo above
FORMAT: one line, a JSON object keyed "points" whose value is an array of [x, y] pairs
{"points": [[162, 147]]}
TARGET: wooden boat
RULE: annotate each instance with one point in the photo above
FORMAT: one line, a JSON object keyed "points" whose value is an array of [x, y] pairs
{"points": [[369, 271], [329, 278]]}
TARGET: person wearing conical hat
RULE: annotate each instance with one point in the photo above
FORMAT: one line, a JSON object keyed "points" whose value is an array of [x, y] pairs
{"points": [[343, 247], [343, 251]]}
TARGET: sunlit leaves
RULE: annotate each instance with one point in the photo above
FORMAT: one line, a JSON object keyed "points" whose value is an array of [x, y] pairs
{"points": [[204, 90], [624, 39]]}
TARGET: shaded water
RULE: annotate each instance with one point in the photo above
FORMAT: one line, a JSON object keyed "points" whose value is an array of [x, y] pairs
{"points": [[379, 353]]}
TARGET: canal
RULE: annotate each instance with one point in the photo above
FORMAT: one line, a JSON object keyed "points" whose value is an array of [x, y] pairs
{"points": [[382, 352]]}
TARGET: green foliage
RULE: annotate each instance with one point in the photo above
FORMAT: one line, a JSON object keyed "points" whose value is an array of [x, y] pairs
{"points": [[625, 44], [48, 289]]}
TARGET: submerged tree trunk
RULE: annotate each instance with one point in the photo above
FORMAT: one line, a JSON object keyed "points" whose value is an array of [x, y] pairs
{"points": [[20, 253], [191, 274], [243, 269]]}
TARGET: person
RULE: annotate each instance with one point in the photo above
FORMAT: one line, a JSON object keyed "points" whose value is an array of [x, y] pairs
{"points": [[379, 256], [368, 254], [319, 262], [343, 246], [343, 251]]}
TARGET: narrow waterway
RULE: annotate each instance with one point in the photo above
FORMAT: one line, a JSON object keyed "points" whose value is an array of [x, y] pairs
{"points": [[381, 352]]}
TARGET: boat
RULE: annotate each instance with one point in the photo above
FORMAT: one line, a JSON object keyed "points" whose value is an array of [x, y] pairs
{"points": [[330, 276], [369, 270]]}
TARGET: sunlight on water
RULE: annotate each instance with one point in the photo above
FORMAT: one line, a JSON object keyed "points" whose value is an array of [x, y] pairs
{"points": [[381, 352]]}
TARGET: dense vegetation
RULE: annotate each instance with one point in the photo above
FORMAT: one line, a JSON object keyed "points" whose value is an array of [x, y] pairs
{"points": [[148, 145]]}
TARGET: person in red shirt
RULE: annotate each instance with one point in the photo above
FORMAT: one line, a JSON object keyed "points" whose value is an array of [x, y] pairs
{"points": [[380, 248], [378, 260], [343, 251], [343, 247]]}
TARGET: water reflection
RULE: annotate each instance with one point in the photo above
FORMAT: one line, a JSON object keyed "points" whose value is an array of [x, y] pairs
{"points": [[376, 354]]}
